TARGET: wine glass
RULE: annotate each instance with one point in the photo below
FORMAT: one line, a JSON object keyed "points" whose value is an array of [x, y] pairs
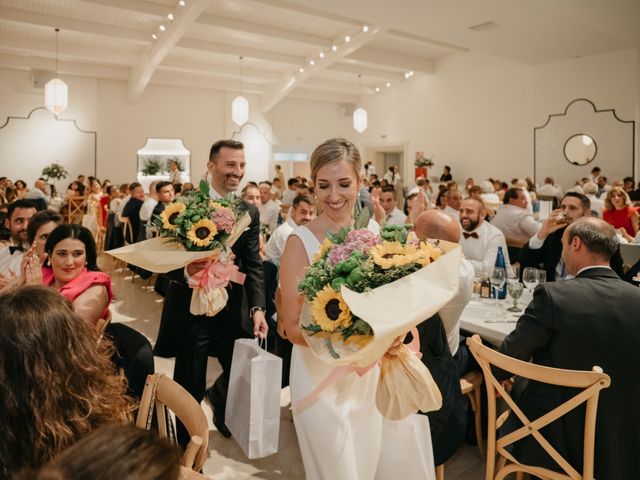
{"points": [[542, 276], [530, 278], [498, 277], [515, 291]]}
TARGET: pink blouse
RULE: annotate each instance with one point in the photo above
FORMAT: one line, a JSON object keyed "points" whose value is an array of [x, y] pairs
{"points": [[80, 284]]}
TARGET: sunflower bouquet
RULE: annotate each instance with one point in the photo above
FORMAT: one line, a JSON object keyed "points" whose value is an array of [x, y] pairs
{"points": [[362, 291], [195, 228]]}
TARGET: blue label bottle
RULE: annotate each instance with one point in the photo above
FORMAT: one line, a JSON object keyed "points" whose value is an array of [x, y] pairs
{"points": [[501, 293]]}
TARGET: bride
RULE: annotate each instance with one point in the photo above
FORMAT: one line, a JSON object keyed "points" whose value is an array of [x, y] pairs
{"points": [[340, 433]]}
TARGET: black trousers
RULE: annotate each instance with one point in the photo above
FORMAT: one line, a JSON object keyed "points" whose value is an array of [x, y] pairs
{"points": [[204, 337]]}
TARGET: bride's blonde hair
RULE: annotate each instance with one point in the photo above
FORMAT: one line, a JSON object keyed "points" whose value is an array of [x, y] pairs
{"points": [[334, 150]]}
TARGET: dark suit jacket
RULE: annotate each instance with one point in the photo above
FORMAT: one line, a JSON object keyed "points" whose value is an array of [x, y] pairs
{"points": [[576, 324], [175, 314], [550, 253], [132, 212], [447, 424]]}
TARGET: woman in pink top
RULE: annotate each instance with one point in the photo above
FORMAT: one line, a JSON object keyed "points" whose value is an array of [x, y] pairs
{"points": [[619, 213]]}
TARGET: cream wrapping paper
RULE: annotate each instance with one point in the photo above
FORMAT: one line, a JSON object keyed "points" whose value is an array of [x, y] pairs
{"points": [[162, 255]]}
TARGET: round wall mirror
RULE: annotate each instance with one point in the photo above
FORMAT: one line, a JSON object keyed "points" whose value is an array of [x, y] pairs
{"points": [[580, 149]]}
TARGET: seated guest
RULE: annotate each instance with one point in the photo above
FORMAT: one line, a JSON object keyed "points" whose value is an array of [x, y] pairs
{"points": [[480, 240], [269, 208], [300, 214], [22, 190], [488, 194], [515, 221], [549, 190], [165, 194], [603, 186], [414, 205], [437, 225], [71, 269], [545, 247], [597, 206], [452, 205], [619, 213], [131, 209], [114, 452], [39, 194], [57, 382], [17, 220], [589, 320], [390, 214], [146, 210], [40, 227]]}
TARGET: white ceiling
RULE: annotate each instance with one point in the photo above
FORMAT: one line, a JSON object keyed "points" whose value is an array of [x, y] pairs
{"points": [[202, 45]]}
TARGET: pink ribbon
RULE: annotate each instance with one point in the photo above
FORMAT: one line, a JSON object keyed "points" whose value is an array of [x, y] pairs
{"points": [[216, 274], [342, 371]]}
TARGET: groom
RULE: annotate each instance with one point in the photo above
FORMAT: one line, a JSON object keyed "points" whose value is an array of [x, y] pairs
{"points": [[191, 338]]}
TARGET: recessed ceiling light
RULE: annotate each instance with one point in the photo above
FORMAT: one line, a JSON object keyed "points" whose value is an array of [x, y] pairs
{"points": [[347, 39], [377, 89], [334, 48], [170, 16], [365, 29], [411, 73], [388, 84], [312, 62], [162, 28], [154, 36], [301, 70], [182, 3], [321, 55], [406, 75]]}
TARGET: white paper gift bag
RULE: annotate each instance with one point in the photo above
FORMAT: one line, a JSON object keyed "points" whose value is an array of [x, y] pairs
{"points": [[253, 402]]}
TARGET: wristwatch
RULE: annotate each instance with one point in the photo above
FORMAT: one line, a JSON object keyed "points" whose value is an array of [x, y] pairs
{"points": [[254, 310]]}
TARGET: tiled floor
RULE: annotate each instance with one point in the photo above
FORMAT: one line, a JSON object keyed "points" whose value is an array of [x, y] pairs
{"points": [[138, 306]]}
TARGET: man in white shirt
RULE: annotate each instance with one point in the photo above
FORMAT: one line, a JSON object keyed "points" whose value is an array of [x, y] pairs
{"points": [[392, 214], [514, 220], [454, 198], [590, 189], [549, 189], [39, 192], [289, 194], [603, 187], [437, 225], [18, 215], [480, 240], [269, 210], [146, 210], [301, 213]]}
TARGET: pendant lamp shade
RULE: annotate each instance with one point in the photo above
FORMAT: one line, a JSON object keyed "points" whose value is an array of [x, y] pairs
{"points": [[56, 95], [360, 120], [240, 110]]}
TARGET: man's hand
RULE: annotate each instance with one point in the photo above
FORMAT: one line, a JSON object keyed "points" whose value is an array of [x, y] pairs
{"points": [[378, 211], [260, 327], [556, 220], [7, 282]]}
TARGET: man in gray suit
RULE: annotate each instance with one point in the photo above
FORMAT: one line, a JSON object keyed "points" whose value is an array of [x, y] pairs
{"points": [[576, 324]]}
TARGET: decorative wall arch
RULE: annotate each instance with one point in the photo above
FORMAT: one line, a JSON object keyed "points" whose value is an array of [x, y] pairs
{"points": [[615, 139]]}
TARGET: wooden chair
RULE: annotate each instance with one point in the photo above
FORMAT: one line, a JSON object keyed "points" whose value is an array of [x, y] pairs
{"points": [[165, 392], [102, 324], [590, 384], [127, 233], [102, 228], [75, 209]]}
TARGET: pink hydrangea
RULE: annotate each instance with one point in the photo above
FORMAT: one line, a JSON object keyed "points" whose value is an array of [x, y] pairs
{"points": [[338, 253], [224, 219], [361, 240]]}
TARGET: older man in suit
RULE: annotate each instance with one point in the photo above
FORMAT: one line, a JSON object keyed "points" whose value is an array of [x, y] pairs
{"points": [[192, 338], [545, 247], [585, 321]]}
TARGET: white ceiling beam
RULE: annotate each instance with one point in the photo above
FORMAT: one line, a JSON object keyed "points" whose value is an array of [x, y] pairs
{"points": [[224, 71], [237, 51], [74, 52], [23, 17], [264, 31], [372, 73], [289, 81], [142, 73], [384, 58], [139, 7]]}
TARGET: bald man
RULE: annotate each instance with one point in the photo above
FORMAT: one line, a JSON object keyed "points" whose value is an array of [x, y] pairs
{"points": [[438, 225]]}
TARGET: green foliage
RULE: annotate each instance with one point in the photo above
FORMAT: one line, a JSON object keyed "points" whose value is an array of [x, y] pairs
{"points": [[55, 171], [152, 165], [424, 162]]}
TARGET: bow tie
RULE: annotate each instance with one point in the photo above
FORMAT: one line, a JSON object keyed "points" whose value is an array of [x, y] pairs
{"points": [[13, 249], [472, 235]]}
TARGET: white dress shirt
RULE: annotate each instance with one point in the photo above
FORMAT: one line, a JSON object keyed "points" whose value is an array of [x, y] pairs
{"points": [[269, 215], [288, 196], [597, 205], [450, 313], [277, 241], [482, 251], [452, 212], [147, 208], [10, 262], [561, 272], [396, 217], [549, 190], [516, 223]]}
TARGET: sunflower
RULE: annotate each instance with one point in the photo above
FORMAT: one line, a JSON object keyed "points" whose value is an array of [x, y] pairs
{"points": [[324, 248], [430, 253], [202, 232], [395, 254], [215, 205], [170, 214], [330, 311]]}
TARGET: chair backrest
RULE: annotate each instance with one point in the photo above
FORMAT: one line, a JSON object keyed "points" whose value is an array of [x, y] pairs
{"points": [[589, 383], [630, 253], [161, 391], [127, 230], [76, 208]]}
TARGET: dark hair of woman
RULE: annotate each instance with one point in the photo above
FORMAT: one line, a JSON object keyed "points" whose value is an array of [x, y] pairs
{"points": [[115, 452], [405, 209], [39, 219], [57, 381], [78, 232]]}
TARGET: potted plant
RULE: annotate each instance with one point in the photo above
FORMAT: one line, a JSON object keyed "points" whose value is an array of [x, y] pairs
{"points": [[55, 171], [422, 165], [153, 166]]}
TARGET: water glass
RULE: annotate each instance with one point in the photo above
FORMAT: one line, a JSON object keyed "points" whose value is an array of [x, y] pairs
{"points": [[530, 278], [515, 291], [498, 277]]}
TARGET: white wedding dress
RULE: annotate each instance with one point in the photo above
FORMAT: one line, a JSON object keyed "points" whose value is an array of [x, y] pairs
{"points": [[341, 433]]}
